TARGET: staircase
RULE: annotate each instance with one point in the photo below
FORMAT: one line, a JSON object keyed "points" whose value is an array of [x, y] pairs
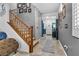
{"points": [[22, 29]]}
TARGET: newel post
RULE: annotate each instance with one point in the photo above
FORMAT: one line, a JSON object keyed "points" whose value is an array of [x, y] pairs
{"points": [[31, 41]]}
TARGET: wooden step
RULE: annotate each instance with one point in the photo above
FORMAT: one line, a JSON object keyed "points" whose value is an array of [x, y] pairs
{"points": [[35, 42]]}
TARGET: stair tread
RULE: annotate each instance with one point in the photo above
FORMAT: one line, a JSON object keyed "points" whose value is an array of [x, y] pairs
{"points": [[35, 42]]}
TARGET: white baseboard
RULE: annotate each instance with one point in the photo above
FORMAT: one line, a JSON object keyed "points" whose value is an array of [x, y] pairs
{"points": [[62, 48]]}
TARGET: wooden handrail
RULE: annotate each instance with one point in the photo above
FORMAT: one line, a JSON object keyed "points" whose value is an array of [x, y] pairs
{"points": [[18, 18], [22, 29]]}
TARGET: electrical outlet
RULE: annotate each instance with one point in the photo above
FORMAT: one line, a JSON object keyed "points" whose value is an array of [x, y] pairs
{"points": [[66, 47]]}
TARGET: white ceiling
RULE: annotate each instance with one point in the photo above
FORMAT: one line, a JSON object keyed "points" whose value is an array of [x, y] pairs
{"points": [[47, 7]]}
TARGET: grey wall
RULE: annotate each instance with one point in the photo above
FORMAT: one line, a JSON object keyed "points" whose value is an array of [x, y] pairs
{"points": [[37, 24], [12, 6], [65, 35]]}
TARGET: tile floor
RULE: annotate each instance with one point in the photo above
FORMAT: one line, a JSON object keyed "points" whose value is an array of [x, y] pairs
{"points": [[47, 46]]}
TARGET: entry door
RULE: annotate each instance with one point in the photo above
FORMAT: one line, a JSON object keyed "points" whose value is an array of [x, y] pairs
{"points": [[49, 27]]}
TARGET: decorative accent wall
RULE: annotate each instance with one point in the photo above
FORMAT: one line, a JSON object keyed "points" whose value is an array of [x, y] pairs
{"points": [[75, 20]]}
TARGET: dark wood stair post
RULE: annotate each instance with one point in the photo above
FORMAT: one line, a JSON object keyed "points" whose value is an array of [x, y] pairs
{"points": [[31, 41]]}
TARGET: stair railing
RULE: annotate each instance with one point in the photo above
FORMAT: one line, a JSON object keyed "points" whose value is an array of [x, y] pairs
{"points": [[22, 29]]}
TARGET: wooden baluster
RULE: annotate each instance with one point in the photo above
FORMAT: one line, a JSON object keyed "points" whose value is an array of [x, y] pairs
{"points": [[26, 36], [23, 35], [31, 42]]}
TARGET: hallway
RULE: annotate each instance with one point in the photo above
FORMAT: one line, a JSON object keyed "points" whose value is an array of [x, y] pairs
{"points": [[44, 48], [34, 27]]}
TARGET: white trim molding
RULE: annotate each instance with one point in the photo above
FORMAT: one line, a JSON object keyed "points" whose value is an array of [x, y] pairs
{"points": [[62, 48]]}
